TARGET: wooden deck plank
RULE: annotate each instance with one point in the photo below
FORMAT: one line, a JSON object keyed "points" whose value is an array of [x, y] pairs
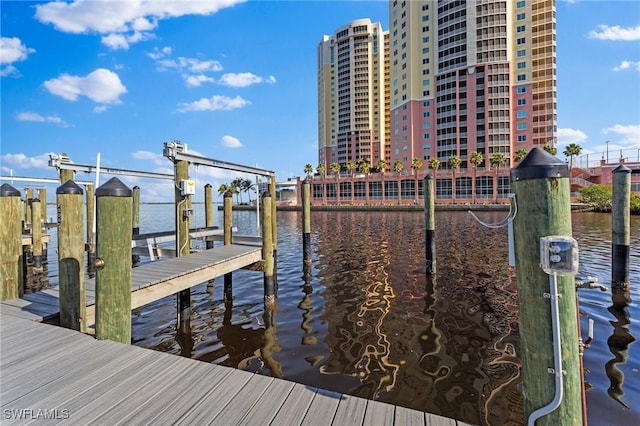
{"points": [[322, 408], [295, 406], [216, 399], [405, 416], [268, 405], [350, 410], [379, 413], [239, 406]]}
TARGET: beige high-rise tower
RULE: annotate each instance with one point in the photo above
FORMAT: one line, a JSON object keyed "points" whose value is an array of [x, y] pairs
{"points": [[352, 94]]}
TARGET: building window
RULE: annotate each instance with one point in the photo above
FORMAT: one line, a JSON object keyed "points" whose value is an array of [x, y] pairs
{"points": [[426, 146], [521, 77], [520, 4], [521, 65], [520, 16], [520, 40], [520, 28], [425, 82], [522, 138], [521, 53], [426, 125], [522, 101], [522, 89], [426, 114], [521, 114], [426, 103], [522, 126]]}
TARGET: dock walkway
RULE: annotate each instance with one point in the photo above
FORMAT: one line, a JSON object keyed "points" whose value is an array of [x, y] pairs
{"points": [[149, 282], [61, 376]]}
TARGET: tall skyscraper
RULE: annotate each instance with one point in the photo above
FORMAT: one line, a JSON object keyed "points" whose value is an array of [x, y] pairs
{"points": [[471, 76], [353, 103], [464, 76]]}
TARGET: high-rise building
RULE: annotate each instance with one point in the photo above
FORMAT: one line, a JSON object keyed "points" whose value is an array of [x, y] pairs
{"points": [[471, 76], [467, 79], [353, 100]]}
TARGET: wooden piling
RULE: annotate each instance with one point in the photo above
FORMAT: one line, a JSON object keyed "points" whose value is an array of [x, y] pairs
{"points": [[430, 224], [183, 244], [306, 223], [620, 224], [36, 235], [227, 238], [113, 250], [541, 185], [208, 210], [66, 175], [42, 195], [69, 198], [27, 207], [274, 229], [11, 278], [91, 237], [268, 251], [136, 211]]}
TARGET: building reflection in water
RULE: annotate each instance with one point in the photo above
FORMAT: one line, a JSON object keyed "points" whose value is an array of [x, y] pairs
{"points": [[444, 345]]}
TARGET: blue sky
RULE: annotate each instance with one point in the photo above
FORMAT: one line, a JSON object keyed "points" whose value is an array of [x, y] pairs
{"points": [[236, 81]]}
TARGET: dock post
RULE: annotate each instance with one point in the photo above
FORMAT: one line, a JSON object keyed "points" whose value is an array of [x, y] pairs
{"points": [[268, 252], [135, 230], [91, 236], [66, 175], [228, 229], [73, 310], [620, 224], [183, 244], [11, 279], [42, 195], [542, 190], [113, 250], [36, 235], [28, 199], [274, 230], [306, 223], [430, 223], [208, 211]]}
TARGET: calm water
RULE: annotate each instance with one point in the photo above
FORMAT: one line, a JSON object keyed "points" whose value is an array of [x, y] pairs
{"points": [[368, 322]]}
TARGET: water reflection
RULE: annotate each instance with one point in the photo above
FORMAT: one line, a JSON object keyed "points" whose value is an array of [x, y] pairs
{"points": [[619, 343]]}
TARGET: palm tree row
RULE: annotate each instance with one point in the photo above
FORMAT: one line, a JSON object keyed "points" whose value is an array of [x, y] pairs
{"points": [[237, 187]]}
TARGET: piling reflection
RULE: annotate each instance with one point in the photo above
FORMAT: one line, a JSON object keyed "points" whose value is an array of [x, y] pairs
{"points": [[444, 345], [619, 343]]}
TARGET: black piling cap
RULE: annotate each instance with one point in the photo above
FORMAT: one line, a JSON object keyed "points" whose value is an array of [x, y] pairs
{"points": [[306, 181], [113, 188], [228, 194], [428, 177], [266, 194], [539, 164], [622, 169], [7, 190], [69, 187]]}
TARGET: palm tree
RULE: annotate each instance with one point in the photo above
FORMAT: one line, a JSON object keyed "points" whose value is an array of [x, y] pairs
{"points": [[351, 167], [364, 168], [308, 169], [248, 186], [551, 149], [321, 169], [398, 167], [381, 165], [416, 165], [476, 159], [497, 160], [234, 188], [335, 168], [223, 189], [573, 149], [520, 154], [454, 162]]}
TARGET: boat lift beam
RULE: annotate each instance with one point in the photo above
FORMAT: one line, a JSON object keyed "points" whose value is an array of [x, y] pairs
{"points": [[176, 151], [62, 162]]}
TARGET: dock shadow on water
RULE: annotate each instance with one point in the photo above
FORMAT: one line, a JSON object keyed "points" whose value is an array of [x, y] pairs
{"points": [[366, 320]]}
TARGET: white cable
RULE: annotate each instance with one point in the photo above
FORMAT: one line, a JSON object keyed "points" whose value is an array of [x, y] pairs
{"points": [[513, 211]]}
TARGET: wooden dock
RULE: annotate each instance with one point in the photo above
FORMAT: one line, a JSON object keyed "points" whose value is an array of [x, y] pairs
{"points": [[149, 282], [62, 376]]}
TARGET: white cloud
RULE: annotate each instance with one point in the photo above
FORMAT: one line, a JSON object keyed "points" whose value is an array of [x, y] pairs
{"points": [[616, 33], [197, 80], [214, 103], [151, 156], [37, 118], [568, 136], [12, 50], [624, 65], [101, 86], [21, 161], [126, 18], [630, 134], [230, 142], [244, 79]]}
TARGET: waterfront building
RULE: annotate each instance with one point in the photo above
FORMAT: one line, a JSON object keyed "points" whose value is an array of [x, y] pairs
{"points": [[353, 94], [465, 77]]}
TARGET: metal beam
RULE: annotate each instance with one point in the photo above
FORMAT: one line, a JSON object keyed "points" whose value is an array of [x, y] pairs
{"points": [[61, 163], [177, 152], [39, 180]]}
